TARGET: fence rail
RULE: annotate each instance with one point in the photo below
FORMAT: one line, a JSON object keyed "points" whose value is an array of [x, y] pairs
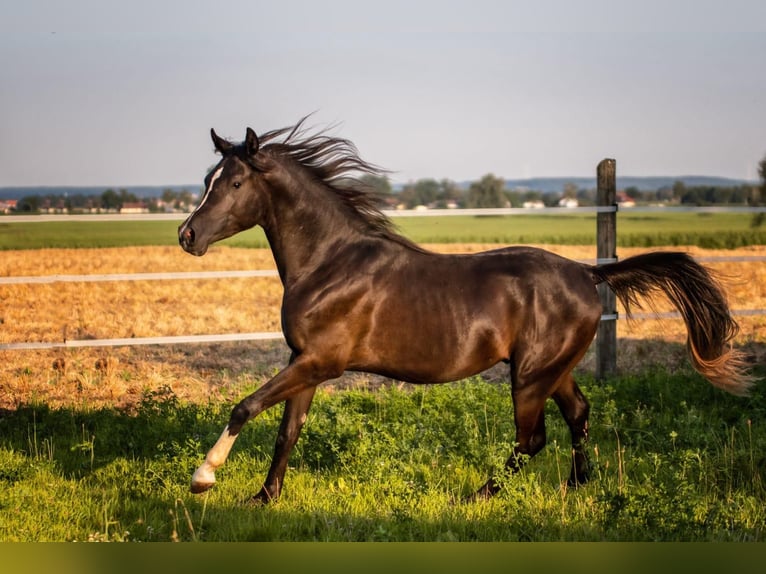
{"points": [[135, 341], [250, 273], [258, 335], [167, 276]]}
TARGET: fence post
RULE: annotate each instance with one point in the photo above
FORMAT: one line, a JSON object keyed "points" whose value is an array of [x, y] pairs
{"points": [[606, 250]]}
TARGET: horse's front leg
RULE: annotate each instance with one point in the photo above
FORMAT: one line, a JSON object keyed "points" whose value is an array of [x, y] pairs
{"points": [[300, 376], [296, 410]]}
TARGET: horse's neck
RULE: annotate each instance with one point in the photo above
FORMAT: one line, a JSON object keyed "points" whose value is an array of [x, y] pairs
{"points": [[305, 229]]}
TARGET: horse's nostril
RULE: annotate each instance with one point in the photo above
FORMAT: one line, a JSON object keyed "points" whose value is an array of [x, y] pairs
{"points": [[187, 235]]}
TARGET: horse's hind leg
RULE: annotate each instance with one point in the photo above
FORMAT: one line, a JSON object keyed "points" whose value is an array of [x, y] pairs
{"points": [[575, 409], [296, 409], [535, 378], [529, 415]]}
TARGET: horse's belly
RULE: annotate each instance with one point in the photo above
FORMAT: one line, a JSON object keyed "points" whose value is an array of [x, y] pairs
{"points": [[435, 356]]}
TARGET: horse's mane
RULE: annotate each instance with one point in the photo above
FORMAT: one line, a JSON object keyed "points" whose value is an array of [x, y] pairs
{"points": [[335, 162]]}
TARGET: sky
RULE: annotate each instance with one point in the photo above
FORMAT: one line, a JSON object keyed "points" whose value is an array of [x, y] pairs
{"points": [[103, 93]]}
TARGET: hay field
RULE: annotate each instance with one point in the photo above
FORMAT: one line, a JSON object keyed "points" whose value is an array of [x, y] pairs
{"points": [[120, 376]]}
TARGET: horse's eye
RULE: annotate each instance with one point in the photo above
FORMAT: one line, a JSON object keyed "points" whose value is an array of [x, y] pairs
{"points": [[237, 185]]}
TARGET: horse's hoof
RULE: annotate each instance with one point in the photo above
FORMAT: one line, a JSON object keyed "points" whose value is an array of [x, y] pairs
{"points": [[262, 498], [257, 501], [577, 481], [478, 496], [486, 492], [203, 479], [200, 487]]}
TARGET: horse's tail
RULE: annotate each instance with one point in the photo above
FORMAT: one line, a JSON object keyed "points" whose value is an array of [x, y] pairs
{"points": [[700, 300]]}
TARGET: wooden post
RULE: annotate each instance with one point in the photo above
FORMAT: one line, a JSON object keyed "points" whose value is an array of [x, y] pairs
{"points": [[606, 251]]}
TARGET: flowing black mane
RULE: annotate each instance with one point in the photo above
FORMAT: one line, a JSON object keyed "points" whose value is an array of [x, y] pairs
{"points": [[335, 161]]}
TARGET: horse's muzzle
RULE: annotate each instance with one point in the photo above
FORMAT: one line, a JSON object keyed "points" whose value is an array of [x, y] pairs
{"points": [[186, 238]]}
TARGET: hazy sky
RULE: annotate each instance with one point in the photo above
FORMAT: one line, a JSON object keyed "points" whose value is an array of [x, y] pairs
{"points": [[124, 93]]}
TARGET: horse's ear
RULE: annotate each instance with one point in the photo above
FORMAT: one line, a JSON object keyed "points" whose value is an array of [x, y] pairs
{"points": [[251, 142], [220, 144]]}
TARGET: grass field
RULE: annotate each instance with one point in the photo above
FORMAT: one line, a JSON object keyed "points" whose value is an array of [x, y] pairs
{"points": [[674, 460], [715, 231], [100, 444]]}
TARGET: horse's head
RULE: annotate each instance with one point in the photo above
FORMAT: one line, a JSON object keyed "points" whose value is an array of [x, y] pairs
{"points": [[229, 204]]}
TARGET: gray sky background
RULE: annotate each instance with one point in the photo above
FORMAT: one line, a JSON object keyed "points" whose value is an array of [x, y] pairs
{"points": [[124, 93]]}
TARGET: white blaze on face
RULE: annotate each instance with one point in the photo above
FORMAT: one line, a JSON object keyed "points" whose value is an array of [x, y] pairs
{"points": [[213, 179]]}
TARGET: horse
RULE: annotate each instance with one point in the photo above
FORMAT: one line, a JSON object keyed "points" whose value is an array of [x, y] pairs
{"points": [[359, 296]]}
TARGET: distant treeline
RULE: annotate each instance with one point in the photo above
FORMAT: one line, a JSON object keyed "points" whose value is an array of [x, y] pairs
{"points": [[491, 191], [110, 200], [699, 194]]}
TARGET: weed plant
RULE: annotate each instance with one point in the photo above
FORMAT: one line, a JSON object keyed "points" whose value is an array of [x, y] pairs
{"points": [[673, 459]]}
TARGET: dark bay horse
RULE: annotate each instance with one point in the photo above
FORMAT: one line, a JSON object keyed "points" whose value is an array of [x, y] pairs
{"points": [[360, 297]]}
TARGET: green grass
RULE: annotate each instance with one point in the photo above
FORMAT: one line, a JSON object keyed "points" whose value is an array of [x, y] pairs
{"points": [[719, 230], [674, 459], [723, 230], [84, 234]]}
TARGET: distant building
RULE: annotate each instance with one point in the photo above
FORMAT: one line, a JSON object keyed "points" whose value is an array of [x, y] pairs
{"points": [[47, 206], [536, 204], [7, 205], [134, 207], [568, 202], [624, 200]]}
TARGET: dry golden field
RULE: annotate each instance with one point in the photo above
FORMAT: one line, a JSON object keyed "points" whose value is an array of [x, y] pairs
{"points": [[119, 376]]}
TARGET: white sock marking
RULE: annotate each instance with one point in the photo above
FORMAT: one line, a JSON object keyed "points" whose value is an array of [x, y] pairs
{"points": [[216, 456]]}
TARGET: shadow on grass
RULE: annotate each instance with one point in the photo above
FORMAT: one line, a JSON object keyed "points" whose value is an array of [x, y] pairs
{"points": [[160, 426], [154, 449]]}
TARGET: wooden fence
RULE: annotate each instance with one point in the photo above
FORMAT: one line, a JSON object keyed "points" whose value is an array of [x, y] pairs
{"points": [[606, 252]]}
